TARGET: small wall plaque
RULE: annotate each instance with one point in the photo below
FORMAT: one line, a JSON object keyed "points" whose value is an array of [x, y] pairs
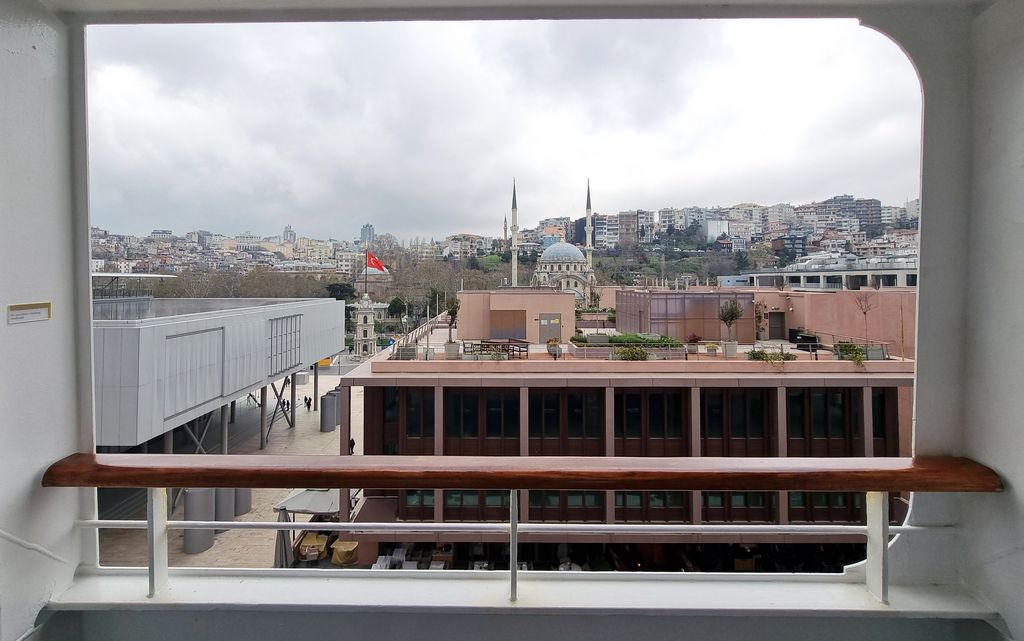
{"points": [[28, 313]]}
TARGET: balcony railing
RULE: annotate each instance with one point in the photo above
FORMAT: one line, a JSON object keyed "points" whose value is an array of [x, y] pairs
{"points": [[875, 476]]}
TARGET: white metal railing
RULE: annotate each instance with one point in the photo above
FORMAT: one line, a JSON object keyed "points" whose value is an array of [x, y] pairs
{"points": [[877, 532]]}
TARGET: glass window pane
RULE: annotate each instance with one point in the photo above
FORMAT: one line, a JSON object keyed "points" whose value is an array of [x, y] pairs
{"points": [[634, 499], [755, 414], [878, 413], [820, 499], [713, 414], [656, 499], [656, 415], [818, 428], [574, 499], [552, 498], [493, 414], [856, 400], [412, 498], [536, 498], [511, 415], [495, 498], [836, 415], [390, 404], [552, 415], [634, 416], [592, 499], [620, 499], [858, 501], [620, 409], [470, 412], [839, 499], [470, 498], [714, 499], [535, 414], [738, 414], [452, 414], [674, 415], [738, 499], [413, 412], [428, 412], [428, 498], [755, 499], [592, 414], [574, 405], [452, 498], [674, 499], [796, 413], [796, 499]]}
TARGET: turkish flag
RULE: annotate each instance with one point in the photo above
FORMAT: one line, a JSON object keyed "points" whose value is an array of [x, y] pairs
{"points": [[373, 261]]}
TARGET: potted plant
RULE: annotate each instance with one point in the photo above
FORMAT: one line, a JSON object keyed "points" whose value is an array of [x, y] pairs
{"points": [[553, 347], [692, 343], [760, 316], [712, 348], [729, 313]]}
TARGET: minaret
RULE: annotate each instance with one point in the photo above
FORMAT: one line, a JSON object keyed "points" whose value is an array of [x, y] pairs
{"points": [[504, 235], [589, 231], [515, 238]]}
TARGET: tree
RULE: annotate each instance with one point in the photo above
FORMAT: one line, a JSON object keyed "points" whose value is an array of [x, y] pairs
{"points": [[453, 314], [473, 263], [742, 261], [340, 291], [865, 302], [730, 312], [396, 307]]}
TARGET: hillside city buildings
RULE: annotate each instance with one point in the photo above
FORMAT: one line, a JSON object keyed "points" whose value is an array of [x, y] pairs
{"points": [[858, 226]]}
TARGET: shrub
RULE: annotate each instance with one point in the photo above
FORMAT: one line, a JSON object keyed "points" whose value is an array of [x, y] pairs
{"points": [[770, 356], [851, 352], [692, 339], [631, 353], [635, 339], [578, 340]]}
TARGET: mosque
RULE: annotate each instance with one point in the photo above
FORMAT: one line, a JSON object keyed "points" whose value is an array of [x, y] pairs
{"points": [[562, 266]]}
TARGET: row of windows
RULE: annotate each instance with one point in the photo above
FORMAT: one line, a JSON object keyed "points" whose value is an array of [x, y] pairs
{"points": [[819, 413]]}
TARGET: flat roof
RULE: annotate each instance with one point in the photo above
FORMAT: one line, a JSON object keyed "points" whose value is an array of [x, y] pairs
{"points": [[142, 308]]}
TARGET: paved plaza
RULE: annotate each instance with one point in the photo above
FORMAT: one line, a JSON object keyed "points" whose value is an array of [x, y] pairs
{"points": [[245, 548]]}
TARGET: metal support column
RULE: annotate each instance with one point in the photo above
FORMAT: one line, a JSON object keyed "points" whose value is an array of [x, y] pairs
{"points": [[291, 401], [156, 535], [231, 419], [877, 564], [169, 442], [224, 429], [316, 386], [263, 417]]}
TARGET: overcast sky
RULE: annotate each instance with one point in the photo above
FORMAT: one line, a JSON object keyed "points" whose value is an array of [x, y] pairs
{"points": [[419, 128]]}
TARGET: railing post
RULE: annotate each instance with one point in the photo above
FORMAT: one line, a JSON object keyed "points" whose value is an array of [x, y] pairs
{"points": [[156, 534], [877, 565], [513, 544]]}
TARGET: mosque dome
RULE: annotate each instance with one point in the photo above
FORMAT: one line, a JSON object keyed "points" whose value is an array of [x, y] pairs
{"points": [[562, 253]]}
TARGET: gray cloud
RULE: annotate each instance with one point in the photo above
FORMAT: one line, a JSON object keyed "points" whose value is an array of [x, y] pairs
{"points": [[419, 127]]}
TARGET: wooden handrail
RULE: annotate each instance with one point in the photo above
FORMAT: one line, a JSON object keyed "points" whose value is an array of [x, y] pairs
{"points": [[922, 474]]}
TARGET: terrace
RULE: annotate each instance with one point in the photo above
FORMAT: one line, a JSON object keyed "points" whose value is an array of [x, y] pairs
{"points": [[960, 579]]}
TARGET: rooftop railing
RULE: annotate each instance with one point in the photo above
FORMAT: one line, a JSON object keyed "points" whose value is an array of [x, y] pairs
{"points": [[875, 476]]}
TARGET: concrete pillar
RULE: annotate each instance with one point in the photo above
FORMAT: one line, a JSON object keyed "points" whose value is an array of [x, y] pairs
{"points": [[291, 401], [695, 449], [316, 386], [609, 448], [343, 408], [867, 411], [524, 422], [439, 447], [243, 500], [169, 442], [782, 441], [224, 429], [224, 504], [231, 419], [198, 507], [263, 417]]}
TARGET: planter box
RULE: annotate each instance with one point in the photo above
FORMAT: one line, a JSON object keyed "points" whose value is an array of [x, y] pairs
{"points": [[691, 348], [729, 349], [451, 350]]}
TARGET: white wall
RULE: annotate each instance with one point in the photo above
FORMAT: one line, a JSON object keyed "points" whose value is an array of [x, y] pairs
{"points": [[994, 423], [38, 386]]}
